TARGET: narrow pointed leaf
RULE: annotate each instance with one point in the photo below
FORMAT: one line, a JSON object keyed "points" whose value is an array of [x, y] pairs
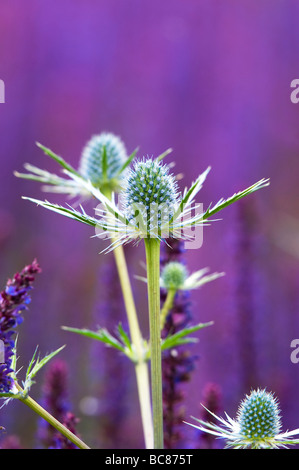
{"points": [[164, 154], [191, 192], [125, 338], [58, 159], [37, 364], [101, 335], [128, 161], [104, 164], [236, 197], [68, 212], [181, 337]]}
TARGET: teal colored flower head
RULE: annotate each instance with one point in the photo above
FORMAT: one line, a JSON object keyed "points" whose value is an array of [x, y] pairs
{"points": [[174, 275], [150, 195], [257, 425], [259, 416], [102, 159], [149, 205], [102, 164]]}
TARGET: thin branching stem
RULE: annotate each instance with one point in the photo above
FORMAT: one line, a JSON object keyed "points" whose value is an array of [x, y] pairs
{"points": [[167, 306], [141, 367], [51, 420]]}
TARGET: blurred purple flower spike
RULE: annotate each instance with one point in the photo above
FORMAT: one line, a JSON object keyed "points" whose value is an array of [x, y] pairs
{"points": [[13, 301]]}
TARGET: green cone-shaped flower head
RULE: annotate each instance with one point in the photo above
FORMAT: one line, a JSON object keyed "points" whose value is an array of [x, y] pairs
{"points": [[102, 159], [174, 275], [259, 416], [150, 195]]}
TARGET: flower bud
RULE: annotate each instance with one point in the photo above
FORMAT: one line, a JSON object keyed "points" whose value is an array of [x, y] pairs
{"points": [[174, 275]]}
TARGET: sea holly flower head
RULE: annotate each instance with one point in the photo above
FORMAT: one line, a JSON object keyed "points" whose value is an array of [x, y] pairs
{"points": [[102, 159], [103, 163], [259, 416], [175, 276], [257, 425], [150, 196], [149, 206]]}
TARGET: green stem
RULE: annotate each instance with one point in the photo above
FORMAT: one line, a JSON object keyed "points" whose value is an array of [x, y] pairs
{"points": [[141, 366], [152, 249], [167, 306], [51, 420]]}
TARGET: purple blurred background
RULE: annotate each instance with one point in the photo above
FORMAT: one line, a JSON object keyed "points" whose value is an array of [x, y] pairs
{"points": [[209, 79]]}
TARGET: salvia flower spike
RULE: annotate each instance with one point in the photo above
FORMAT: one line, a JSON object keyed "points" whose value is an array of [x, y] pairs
{"points": [[14, 300], [257, 424]]}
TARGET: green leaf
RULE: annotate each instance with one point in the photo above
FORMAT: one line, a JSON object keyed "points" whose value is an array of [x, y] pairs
{"points": [[222, 203], [31, 363], [67, 212], [58, 159], [191, 192], [35, 365], [226, 202], [43, 176], [101, 335], [124, 337], [105, 337], [52, 182], [164, 154], [128, 161], [104, 164], [181, 337]]}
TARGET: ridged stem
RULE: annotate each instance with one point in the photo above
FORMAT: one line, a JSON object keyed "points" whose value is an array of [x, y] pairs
{"points": [[141, 366], [152, 249]]}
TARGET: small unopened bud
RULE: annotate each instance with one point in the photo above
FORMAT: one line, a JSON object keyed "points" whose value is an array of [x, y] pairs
{"points": [[174, 275]]}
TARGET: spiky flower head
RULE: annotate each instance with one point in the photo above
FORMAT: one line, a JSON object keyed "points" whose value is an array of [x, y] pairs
{"points": [[150, 195], [149, 205], [102, 159], [257, 425], [174, 275], [102, 165], [259, 416]]}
